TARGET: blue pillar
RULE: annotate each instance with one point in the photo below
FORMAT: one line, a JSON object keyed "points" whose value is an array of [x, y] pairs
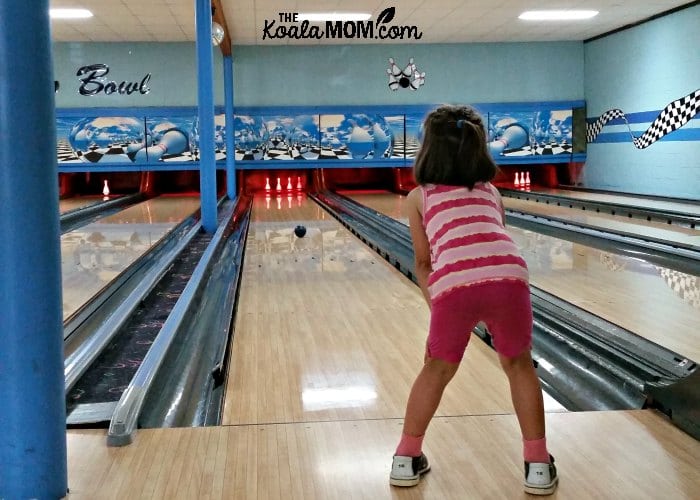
{"points": [[205, 94], [230, 143], [33, 460]]}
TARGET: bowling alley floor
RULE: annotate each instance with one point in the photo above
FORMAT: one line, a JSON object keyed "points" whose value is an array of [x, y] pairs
{"points": [[600, 455], [316, 314]]}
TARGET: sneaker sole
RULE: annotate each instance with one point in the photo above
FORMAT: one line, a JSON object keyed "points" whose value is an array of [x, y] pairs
{"points": [[542, 490], [404, 482]]}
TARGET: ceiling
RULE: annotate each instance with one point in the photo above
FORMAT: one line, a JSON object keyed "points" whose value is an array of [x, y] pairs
{"points": [[440, 21]]}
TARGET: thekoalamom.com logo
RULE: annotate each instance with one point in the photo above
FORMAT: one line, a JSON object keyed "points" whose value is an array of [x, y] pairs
{"points": [[377, 30]]}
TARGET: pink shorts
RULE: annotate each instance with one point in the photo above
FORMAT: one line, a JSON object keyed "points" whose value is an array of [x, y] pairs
{"points": [[504, 306]]}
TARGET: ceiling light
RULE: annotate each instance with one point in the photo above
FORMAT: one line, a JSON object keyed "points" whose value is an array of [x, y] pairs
{"points": [[319, 17], [557, 15], [69, 13]]}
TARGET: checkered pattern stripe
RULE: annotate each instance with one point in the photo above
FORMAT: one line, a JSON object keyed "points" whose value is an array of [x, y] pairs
{"points": [[686, 286], [671, 118], [593, 129]]}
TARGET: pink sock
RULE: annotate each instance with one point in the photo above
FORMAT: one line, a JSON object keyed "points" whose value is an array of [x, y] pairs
{"points": [[536, 451], [410, 446]]}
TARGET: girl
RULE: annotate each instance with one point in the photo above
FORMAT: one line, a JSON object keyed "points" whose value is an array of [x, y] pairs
{"points": [[469, 270]]}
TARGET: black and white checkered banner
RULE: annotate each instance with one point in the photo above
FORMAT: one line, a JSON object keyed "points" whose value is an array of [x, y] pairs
{"points": [[671, 118]]}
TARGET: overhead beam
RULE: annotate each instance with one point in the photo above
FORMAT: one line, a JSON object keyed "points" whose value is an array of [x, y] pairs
{"points": [[219, 17]]}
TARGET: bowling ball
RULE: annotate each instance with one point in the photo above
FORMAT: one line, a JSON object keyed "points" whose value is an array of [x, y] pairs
{"points": [[300, 231]]}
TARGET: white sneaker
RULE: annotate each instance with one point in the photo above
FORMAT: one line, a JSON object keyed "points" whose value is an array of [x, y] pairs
{"points": [[406, 471], [540, 479]]}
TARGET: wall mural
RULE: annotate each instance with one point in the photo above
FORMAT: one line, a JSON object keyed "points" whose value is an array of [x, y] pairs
{"points": [[120, 139], [670, 119], [514, 136], [518, 134], [408, 78]]}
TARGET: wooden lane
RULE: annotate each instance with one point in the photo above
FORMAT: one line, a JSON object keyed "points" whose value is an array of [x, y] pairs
{"points": [[656, 230], [393, 205], [327, 330], [95, 254], [77, 202], [390, 204], [603, 455], [659, 304], [626, 199]]}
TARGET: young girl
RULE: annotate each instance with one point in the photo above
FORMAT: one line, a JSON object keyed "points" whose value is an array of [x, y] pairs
{"points": [[469, 270]]}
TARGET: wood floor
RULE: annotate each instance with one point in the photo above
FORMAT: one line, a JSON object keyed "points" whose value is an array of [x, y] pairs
{"points": [[634, 455], [329, 338]]}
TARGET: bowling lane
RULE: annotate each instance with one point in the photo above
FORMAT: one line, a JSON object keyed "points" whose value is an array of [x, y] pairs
{"points": [[659, 304], [95, 254], [626, 199], [78, 202], [656, 230], [388, 203], [327, 330]]}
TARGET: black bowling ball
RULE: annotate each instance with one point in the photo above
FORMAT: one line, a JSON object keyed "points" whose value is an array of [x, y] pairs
{"points": [[300, 231]]}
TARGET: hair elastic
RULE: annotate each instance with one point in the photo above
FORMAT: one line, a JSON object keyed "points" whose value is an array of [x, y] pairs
{"points": [[460, 123]]}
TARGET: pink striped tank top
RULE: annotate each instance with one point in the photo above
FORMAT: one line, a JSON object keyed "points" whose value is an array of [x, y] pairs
{"points": [[468, 242]]}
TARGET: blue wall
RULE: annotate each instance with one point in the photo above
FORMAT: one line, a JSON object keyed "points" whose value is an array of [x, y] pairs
{"points": [[356, 74], [173, 67], [330, 75], [639, 70]]}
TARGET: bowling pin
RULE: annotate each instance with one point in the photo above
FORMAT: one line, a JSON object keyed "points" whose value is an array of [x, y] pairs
{"points": [[279, 185], [267, 183], [393, 68], [527, 178], [409, 69], [393, 82], [289, 183], [298, 183], [105, 190], [517, 179]]}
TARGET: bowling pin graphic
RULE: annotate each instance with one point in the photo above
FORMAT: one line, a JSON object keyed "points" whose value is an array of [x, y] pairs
{"points": [[279, 185], [289, 183], [394, 74], [517, 179], [105, 189], [173, 142], [267, 183], [298, 183], [527, 178]]}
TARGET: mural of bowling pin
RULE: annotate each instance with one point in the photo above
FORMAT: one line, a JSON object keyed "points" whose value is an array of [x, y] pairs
{"points": [[172, 142]]}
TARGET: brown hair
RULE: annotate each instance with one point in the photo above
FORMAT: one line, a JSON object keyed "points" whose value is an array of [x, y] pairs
{"points": [[454, 150]]}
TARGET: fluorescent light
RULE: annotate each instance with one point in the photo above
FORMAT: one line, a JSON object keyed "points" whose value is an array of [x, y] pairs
{"points": [[69, 13], [319, 17], [557, 15]]}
